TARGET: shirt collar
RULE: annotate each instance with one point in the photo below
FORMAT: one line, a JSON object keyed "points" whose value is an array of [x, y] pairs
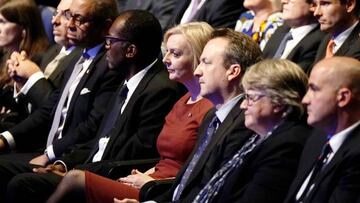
{"points": [[92, 52], [224, 110], [133, 82], [340, 39], [337, 139], [302, 31]]}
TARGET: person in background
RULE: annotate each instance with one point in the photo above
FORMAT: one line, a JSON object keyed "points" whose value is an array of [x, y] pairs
{"points": [[184, 44], [299, 38], [20, 29], [340, 19], [261, 21], [218, 13]]}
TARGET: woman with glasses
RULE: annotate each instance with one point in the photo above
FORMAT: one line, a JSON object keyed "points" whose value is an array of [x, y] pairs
{"points": [[183, 44], [21, 28], [263, 168]]}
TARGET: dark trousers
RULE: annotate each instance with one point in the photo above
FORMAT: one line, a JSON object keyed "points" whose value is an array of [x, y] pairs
{"points": [[19, 184]]}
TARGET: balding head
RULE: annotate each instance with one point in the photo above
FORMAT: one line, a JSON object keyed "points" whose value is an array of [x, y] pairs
{"points": [[333, 96], [341, 72]]}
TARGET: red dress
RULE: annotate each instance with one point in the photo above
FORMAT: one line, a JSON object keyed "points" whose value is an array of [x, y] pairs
{"points": [[175, 143]]}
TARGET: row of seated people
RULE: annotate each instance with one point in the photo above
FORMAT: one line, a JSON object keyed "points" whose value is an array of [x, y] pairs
{"points": [[55, 145]]}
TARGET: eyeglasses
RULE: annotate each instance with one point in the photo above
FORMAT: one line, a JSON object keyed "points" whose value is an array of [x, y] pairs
{"points": [[77, 18], [59, 12], [252, 98], [109, 40]]}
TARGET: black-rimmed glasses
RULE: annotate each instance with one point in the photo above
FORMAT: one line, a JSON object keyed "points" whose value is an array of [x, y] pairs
{"points": [[109, 40], [77, 18]]}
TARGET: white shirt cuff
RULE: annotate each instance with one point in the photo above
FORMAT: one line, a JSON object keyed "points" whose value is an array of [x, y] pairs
{"points": [[9, 138], [31, 81], [50, 153], [62, 163]]}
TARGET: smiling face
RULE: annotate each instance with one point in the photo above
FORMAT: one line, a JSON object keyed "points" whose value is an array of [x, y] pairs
{"points": [[179, 58], [10, 34]]}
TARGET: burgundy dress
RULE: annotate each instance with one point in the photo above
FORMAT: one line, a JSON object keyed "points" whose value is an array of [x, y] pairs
{"points": [[175, 143]]}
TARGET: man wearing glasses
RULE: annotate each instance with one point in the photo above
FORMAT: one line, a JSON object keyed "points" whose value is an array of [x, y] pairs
{"points": [[74, 111], [133, 118]]}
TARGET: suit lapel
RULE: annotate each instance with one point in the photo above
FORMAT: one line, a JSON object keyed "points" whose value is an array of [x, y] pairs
{"points": [[273, 44], [85, 77], [299, 45], [222, 131], [121, 120], [338, 157], [349, 42]]}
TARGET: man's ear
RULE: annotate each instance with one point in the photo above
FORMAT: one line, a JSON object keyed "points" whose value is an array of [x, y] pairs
{"points": [[233, 72], [131, 51], [350, 5], [343, 97]]}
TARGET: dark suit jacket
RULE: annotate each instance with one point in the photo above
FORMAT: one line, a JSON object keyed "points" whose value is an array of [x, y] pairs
{"points": [[351, 46], [84, 114], [303, 53], [135, 132], [230, 135], [163, 10], [218, 13], [267, 172], [40, 92], [340, 179]]}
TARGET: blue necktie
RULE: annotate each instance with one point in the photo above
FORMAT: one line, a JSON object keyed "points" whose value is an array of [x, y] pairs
{"points": [[214, 124]]}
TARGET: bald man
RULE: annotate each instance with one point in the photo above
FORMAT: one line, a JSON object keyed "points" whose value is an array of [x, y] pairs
{"points": [[329, 170]]}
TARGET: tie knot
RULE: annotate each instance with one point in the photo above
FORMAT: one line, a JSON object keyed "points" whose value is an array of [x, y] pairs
{"points": [[215, 122], [123, 91], [85, 55]]}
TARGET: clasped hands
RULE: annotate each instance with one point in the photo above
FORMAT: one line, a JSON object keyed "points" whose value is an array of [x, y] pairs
{"points": [[43, 161], [20, 67], [136, 179]]}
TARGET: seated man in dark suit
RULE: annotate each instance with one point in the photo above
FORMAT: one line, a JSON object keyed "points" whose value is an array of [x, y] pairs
{"points": [[133, 118], [37, 83], [73, 113], [299, 39], [329, 169], [218, 13], [223, 62], [340, 19]]}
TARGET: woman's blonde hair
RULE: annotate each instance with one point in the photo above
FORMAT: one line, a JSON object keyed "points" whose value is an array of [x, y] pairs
{"points": [[283, 81], [196, 33]]}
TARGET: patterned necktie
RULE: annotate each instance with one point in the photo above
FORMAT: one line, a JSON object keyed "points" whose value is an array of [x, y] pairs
{"points": [[330, 49], [282, 45], [212, 188], [64, 95], [115, 111], [214, 124], [318, 166], [53, 64]]}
